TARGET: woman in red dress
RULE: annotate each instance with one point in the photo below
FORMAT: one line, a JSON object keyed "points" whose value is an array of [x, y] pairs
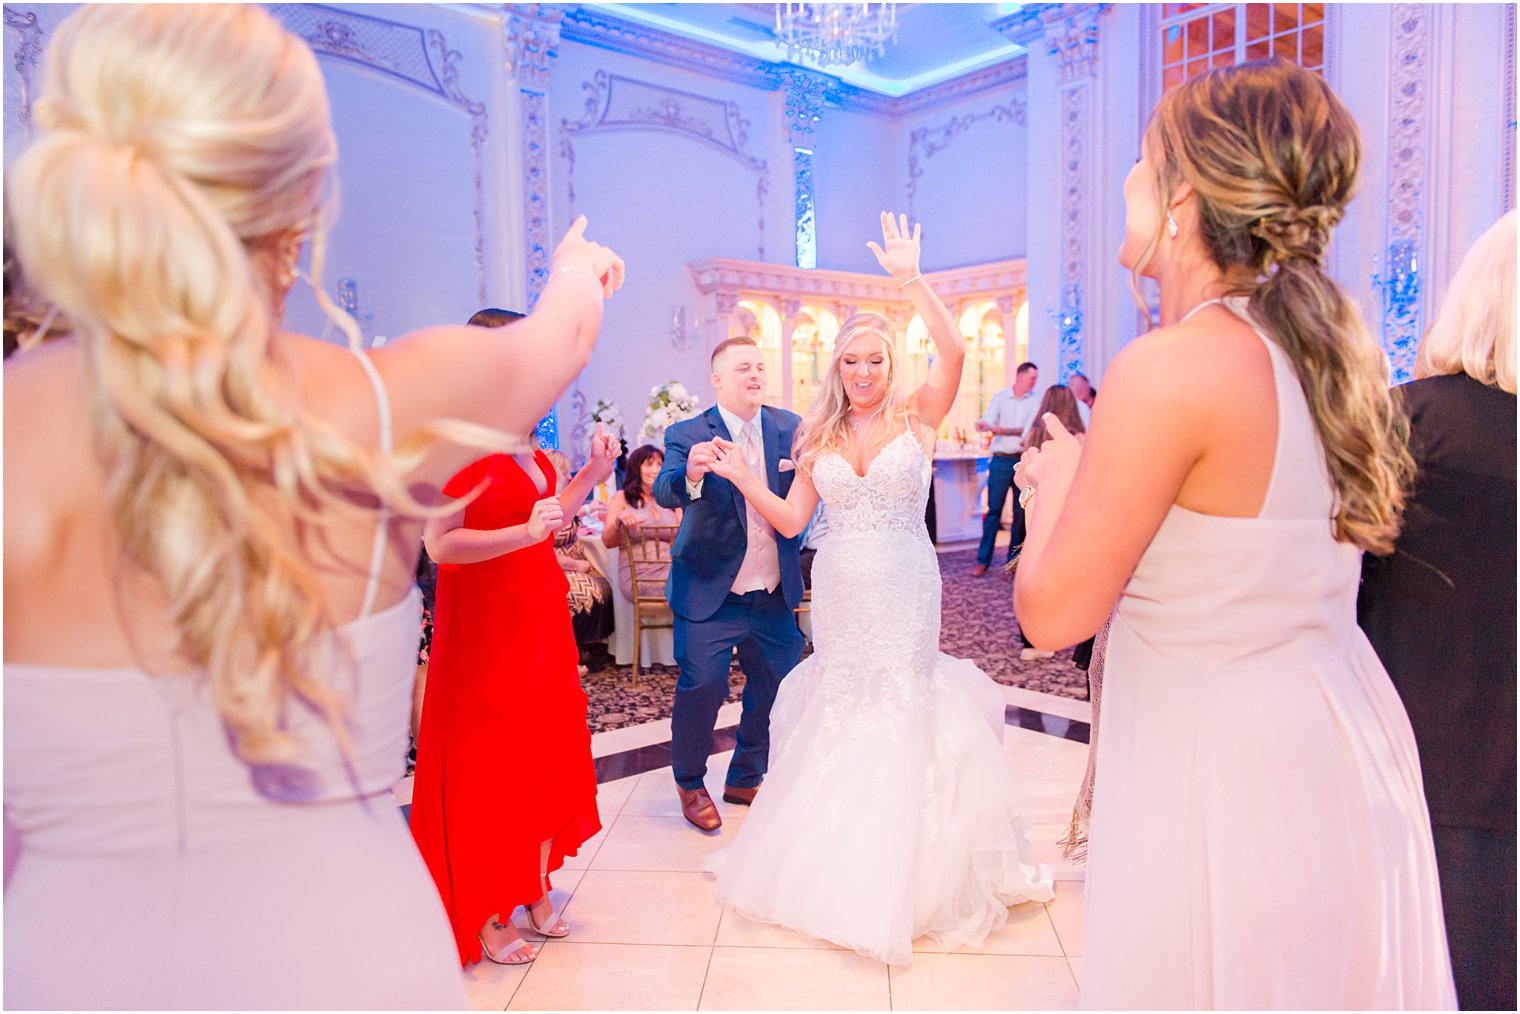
{"points": [[503, 682]]}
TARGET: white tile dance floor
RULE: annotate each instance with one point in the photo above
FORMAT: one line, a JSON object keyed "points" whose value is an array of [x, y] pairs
{"points": [[647, 935]]}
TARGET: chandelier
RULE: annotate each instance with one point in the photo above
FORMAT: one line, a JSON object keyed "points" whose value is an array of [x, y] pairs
{"points": [[829, 35]]}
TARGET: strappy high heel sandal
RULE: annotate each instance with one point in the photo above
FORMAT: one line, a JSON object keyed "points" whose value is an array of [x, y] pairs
{"points": [[554, 922], [506, 955]]}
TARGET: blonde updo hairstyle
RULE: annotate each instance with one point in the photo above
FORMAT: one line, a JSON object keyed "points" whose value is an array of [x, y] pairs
{"points": [[826, 427], [1273, 156], [179, 147]]}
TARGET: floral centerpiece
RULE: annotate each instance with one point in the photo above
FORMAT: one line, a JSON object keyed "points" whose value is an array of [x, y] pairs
{"points": [[610, 416], [669, 403]]}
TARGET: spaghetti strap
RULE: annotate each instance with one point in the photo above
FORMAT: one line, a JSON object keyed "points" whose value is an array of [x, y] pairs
{"points": [[383, 516]]}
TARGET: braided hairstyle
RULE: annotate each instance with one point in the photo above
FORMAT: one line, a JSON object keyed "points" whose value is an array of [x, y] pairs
{"points": [[1273, 156]]}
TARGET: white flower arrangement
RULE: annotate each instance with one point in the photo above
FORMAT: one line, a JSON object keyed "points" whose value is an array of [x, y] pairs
{"points": [[610, 416], [669, 403]]}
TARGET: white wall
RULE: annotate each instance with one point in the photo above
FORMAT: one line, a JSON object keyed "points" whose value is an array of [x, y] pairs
{"points": [[857, 175], [971, 193], [663, 198]]}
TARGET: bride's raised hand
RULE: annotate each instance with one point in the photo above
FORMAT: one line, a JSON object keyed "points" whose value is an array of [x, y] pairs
{"points": [[898, 253]]}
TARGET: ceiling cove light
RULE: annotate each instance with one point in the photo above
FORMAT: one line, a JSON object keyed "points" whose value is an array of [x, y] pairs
{"points": [[835, 35]]}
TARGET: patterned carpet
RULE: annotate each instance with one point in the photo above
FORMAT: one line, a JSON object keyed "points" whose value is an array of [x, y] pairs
{"points": [[976, 622]]}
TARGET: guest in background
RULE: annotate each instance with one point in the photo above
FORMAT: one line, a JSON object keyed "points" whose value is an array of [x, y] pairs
{"points": [[812, 538], [590, 595], [504, 683], [427, 586], [632, 508], [1059, 401], [210, 540], [1009, 414], [1441, 610], [1083, 391]]}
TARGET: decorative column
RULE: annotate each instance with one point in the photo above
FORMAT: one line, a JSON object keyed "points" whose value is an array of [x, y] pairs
{"points": [[1399, 278], [791, 310], [803, 94], [530, 42], [1063, 56]]}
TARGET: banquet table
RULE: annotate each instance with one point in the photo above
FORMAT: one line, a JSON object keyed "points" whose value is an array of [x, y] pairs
{"points": [[659, 644]]}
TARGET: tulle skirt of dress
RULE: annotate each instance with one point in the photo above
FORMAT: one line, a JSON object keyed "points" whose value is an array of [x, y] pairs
{"points": [[889, 811]]}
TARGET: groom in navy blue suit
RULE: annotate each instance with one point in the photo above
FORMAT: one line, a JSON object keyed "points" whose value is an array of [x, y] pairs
{"points": [[733, 581]]}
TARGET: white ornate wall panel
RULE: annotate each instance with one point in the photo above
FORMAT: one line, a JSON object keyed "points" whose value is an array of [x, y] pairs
{"points": [[965, 177], [669, 166], [408, 91]]}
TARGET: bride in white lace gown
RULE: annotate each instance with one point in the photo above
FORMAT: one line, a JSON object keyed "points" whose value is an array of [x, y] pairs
{"points": [[890, 812]]}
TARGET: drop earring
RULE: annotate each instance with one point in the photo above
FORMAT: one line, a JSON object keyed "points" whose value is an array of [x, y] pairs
{"points": [[1171, 225]]}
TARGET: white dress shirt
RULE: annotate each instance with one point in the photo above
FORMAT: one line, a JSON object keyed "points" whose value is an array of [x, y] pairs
{"points": [[761, 567], [1008, 412]]}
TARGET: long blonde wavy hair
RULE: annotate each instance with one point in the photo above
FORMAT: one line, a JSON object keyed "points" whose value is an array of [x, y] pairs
{"points": [[826, 427], [1273, 157], [177, 147]]}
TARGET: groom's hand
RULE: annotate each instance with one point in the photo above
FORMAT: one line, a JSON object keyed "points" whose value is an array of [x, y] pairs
{"points": [[699, 461]]}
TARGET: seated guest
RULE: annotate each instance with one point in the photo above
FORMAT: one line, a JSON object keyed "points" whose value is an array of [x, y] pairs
{"points": [[1441, 610], [1063, 404], [590, 595], [633, 507]]}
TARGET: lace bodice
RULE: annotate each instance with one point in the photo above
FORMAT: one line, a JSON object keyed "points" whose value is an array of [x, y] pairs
{"points": [[890, 497]]}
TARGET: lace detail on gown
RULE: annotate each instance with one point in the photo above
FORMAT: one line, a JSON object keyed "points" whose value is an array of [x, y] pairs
{"points": [[889, 812]]}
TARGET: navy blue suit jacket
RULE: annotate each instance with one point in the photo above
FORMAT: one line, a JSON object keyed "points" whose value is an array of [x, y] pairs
{"points": [[710, 546]]}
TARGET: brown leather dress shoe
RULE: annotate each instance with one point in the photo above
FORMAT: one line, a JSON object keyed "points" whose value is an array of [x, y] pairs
{"points": [[698, 808], [743, 797], [979, 570]]}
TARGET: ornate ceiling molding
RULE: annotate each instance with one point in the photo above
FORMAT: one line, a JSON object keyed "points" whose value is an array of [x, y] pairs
{"points": [[593, 28], [1069, 31], [530, 35]]}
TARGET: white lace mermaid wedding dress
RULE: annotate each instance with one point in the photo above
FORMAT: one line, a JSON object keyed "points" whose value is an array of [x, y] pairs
{"points": [[889, 812]]}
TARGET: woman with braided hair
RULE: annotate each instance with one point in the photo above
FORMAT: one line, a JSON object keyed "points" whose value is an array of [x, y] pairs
{"points": [[1259, 837], [211, 527]]}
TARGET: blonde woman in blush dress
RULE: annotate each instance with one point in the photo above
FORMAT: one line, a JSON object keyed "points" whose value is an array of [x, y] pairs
{"points": [[1259, 837], [210, 621]]}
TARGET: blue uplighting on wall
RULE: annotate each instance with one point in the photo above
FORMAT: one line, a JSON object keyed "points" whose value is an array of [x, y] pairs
{"points": [[1400, 288], [547, 430], [807, 226], [1068, 321]]}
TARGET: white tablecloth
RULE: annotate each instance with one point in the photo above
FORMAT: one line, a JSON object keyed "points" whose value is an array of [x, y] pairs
{"points": [[659, 644]]}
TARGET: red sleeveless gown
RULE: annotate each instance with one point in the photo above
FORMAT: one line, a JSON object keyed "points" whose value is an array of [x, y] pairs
{"points": [[503, 752]]}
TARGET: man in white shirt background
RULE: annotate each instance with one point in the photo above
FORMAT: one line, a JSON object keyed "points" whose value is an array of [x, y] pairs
{"points": [[1009, 415], [1084, 392]]}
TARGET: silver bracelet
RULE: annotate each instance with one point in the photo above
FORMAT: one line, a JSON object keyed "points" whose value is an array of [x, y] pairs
{"points": [[904, 285]]}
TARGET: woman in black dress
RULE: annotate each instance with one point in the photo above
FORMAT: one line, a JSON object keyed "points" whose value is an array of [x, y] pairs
{"points": [[1441, 610]]}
